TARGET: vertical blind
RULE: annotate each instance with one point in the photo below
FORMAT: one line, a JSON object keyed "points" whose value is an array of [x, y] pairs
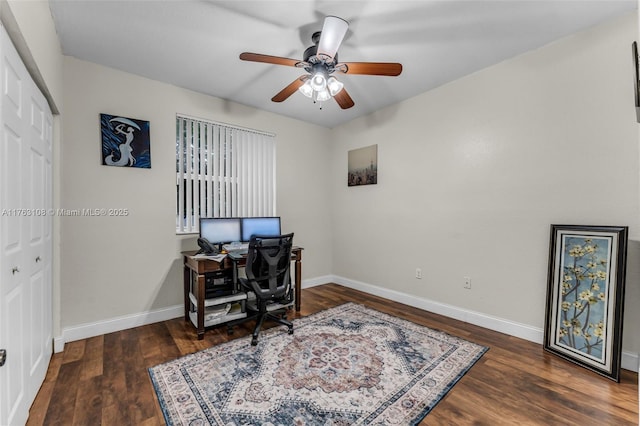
{"points": [[222, 171]]}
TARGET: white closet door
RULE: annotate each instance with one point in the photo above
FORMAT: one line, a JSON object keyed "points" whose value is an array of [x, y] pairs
{"points": [[25, 236], [38, 256]]}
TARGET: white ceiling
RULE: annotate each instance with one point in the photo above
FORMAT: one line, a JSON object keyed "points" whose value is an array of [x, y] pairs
{"points": [[195, 44]]}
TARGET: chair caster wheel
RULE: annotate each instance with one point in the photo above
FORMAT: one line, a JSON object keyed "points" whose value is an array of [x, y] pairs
{"points": [[254, 342], [291, 331]]}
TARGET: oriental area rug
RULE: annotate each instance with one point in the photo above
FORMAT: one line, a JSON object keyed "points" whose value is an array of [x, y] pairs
{"points": [[343, 366]]}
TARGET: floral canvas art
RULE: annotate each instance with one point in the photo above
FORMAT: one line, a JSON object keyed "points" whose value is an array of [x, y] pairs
{"points": [[586, 284]]}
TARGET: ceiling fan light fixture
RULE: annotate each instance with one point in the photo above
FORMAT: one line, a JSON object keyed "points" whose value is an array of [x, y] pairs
{"points": [[322, 95], [334, 86], [306, 89], [318, 82]]}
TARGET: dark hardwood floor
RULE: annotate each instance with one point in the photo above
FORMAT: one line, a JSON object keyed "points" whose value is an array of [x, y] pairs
{"points": [[104, 379]]}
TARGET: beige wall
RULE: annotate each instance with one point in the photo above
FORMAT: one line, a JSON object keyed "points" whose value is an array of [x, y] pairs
{"points": [[128, 265], [471, 175]]}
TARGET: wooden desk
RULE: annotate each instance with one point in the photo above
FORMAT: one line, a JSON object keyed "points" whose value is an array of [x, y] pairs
{"points": [[200, 267]]}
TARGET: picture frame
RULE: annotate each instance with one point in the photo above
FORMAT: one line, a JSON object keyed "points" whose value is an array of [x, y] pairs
{"points": [[362, 166], [125, 141], [585, 296], [636, 80]]}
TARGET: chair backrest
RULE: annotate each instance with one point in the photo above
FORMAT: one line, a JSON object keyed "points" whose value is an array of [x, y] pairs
{"points": [[269, 264]]}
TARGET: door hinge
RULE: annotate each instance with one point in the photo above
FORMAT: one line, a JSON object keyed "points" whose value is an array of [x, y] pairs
{"points": [[3, 356]]}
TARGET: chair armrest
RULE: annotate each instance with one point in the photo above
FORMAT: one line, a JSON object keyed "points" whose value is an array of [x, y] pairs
{"points": [[244, 283]]}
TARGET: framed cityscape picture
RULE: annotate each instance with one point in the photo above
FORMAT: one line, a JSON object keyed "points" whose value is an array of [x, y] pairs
{"points": [[125, 142], [585, 296], [636, 78], [362, 165]]}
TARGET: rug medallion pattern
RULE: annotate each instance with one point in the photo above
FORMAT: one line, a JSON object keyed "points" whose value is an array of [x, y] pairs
{"points": [[343, 366]]}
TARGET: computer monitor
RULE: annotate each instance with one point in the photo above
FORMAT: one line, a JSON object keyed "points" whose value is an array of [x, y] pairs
{"points": [[218, 230], [268, 226]]}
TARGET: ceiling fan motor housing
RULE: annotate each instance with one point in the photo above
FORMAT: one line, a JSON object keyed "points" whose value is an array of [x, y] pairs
{"points": [[310, 54]]}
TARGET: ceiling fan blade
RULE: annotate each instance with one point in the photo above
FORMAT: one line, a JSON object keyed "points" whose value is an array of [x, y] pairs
{"points": [[343, 99], [277, 60], [333, 31], [370, 68], [290, 89]]}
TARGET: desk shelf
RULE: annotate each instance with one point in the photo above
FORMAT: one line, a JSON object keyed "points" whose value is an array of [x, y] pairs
{"points": [[218, 300], [236, 312]]}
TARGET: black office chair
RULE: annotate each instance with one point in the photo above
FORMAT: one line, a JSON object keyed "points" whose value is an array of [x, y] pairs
{"points": [[268, 277]]}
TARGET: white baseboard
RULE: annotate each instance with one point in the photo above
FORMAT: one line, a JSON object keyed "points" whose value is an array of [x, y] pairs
{"points": [[58, 344], [533, 334], [630, 360], [84, 331], [312, 282]]}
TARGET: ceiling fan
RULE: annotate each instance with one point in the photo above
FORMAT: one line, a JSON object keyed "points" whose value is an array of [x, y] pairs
{"points": [[320, 61]]}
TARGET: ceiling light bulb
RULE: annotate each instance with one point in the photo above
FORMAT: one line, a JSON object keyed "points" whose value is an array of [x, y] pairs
{"points": [[318, 82], [323, 95], [306, 89], [334, 85]]}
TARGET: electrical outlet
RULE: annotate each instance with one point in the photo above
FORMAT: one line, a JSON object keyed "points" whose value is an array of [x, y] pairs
{"points": [[467, 282], [419, 273]]}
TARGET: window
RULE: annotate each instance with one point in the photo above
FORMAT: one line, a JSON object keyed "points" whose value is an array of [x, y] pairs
{"points": [[222, 171]]}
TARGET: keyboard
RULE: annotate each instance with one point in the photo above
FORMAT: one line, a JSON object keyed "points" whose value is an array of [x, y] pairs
{"points": [[236, 247]]}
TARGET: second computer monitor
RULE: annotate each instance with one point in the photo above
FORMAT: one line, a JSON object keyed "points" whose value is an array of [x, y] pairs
{"points": [[268, 226]]}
